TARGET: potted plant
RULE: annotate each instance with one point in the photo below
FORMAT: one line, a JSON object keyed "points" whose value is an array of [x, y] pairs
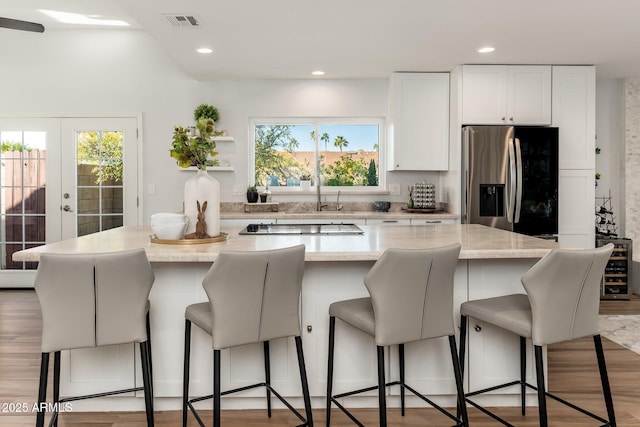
{"points": [[252, 194], [206, 111], [305, 181], [195, 150]]}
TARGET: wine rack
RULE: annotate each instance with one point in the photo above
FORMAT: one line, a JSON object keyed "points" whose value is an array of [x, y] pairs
{"points": [[616, 282]]}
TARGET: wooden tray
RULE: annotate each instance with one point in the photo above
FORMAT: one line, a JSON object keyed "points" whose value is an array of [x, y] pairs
{"points": [[219, 238], [421, 210]]}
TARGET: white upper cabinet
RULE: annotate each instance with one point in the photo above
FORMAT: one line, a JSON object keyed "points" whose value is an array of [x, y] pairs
{"points": [[574, 113], [419, 121], [506, 94]]}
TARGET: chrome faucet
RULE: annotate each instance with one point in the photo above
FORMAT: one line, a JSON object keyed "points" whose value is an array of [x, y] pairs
{"points": [[338, 205], [319, 204]]}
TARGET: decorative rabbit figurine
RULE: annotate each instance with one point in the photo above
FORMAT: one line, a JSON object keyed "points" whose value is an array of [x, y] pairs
{"points": [[201, 225]]}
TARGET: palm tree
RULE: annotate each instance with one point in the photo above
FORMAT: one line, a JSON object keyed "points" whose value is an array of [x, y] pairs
{"points": [[292, 145], [325, 138], [340, 142]]}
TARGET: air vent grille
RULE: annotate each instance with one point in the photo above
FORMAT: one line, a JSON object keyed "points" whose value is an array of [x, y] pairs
{"points": [[183, 20]]}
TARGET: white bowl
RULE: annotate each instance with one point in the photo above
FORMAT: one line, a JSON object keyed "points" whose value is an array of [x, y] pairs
{"points": [[162, 216], [169, 231]]}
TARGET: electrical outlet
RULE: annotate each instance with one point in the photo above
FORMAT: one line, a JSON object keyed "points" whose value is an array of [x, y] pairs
{"points": [[394, 189]]}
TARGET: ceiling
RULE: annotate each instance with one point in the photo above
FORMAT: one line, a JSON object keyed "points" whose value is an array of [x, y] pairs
{"points": [[368, 38]]}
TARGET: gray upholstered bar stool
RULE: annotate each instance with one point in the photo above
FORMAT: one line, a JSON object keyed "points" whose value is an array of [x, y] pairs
{"points": [[93, 300], [561, 304], [253, 297], [411, 299]]}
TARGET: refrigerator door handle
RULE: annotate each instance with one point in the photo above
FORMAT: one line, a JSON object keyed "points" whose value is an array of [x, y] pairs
{"points": [[511, 187], [519, 182]]}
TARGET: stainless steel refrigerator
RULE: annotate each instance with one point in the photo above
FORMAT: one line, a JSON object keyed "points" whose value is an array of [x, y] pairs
{"points": [[510, 178]]}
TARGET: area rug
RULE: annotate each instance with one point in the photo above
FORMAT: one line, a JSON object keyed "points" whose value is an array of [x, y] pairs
{"points": [[623, 329]]}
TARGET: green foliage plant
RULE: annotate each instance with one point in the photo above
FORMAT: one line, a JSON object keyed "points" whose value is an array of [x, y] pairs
{"points": [[104, 151], [206, 111], [195, 150]]}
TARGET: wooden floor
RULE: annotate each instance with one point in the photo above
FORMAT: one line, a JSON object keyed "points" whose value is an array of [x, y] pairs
{"points": [[573, 374]]}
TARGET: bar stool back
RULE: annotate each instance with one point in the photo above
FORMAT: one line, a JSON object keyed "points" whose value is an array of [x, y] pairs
{"points": [[411, 299], [253, 297], [561, 304], [93, 300]]}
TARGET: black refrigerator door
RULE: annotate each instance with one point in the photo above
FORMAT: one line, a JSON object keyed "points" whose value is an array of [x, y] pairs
{"points": [[539, 203]]}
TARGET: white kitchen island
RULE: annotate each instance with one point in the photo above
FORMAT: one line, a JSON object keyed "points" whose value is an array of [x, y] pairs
{"points": [[491, 263]]}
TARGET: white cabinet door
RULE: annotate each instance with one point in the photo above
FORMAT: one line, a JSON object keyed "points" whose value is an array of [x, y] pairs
{"points": [[502, 94], [574, 113], [490, 351], [419, 121], [355, 363], [484, 94], [576, 200]]}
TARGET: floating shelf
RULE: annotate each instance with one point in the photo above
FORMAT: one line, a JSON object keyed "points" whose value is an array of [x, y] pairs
{"points": [[223, 138], [210, 168]]}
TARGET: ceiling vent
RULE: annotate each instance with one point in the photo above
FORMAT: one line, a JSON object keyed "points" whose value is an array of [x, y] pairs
{"points": [[183, 20]]}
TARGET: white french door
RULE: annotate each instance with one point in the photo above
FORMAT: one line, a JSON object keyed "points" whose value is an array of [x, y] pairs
{"points": [[99, 158], [62, 178]]}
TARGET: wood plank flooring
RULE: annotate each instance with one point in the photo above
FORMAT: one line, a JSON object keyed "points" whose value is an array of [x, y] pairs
{"points": [[573, 374]]}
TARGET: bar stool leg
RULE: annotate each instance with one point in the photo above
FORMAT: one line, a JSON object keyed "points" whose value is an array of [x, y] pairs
{"points": [[523, 374], [148, 326], [604, 379], [382, 400], [461, 351], [146, 380], [185, 375], [402, 376], [304, 382], [216, 388], [56, 382], [267, 375], [332, 332], [542, 399], [42, 389], [457, 372]]}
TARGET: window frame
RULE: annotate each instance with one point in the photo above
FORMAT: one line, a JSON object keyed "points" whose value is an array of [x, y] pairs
{"points": [[317, 122]]}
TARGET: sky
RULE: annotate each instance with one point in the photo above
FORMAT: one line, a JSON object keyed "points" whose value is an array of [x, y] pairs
{"points": [[359, 136]]}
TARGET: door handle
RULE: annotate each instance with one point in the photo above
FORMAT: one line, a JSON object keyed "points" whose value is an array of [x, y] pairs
{"points": [[67, 208]]}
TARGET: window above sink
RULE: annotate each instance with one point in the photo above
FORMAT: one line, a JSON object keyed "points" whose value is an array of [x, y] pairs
{"points": [[340, 153]]}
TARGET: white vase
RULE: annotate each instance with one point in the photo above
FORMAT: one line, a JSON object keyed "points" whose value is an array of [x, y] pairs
{"points": [[202, 188]]}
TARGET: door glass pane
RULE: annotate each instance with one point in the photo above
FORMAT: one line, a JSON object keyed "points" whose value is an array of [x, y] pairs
{"points": [[100, 180], [22, 194]]}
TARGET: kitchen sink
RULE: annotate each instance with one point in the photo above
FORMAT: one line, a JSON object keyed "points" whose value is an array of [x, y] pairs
{"points": [[325, 229]]}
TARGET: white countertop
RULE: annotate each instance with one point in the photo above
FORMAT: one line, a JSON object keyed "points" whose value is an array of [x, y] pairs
{"points": [[478, 242]]}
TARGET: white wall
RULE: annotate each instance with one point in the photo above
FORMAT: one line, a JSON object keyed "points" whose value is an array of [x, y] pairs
{"points": [[610, 131]]}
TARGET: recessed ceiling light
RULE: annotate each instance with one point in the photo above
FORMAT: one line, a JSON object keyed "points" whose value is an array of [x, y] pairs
{"points": [[204, 50], [486, 49], [318, 73]]}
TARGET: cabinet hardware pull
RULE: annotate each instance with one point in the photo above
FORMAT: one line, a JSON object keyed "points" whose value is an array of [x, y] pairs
{"points": [[309, 328], [478, 328]]}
